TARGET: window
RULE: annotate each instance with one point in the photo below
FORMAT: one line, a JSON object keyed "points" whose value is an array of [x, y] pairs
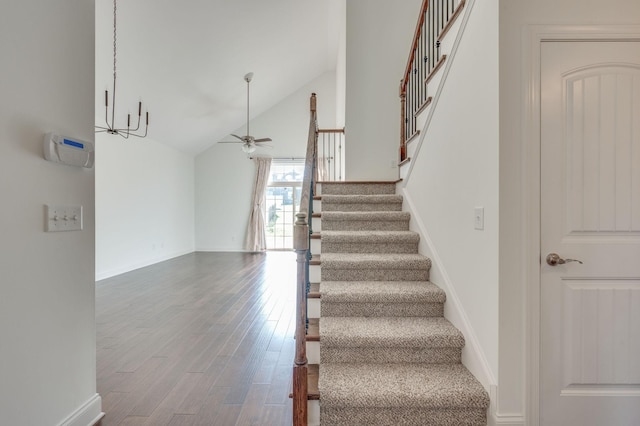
{"points": [[282, 202]]}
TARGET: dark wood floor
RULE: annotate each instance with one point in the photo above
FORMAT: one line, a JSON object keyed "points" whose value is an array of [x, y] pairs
{"points": [[203, 339]]}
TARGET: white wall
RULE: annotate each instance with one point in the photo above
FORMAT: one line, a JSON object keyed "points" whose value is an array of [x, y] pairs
{"points": [[455, 171], [341, 63], [224, 175], [379, 35], [47, 302], [144, 203], [515, 17]]}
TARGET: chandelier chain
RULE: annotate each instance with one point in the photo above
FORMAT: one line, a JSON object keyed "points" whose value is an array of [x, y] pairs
{"points": [[114, 37]]}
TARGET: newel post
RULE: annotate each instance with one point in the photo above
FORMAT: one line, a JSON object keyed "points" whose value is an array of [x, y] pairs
{"points": [[312, 103], [300, 389]]}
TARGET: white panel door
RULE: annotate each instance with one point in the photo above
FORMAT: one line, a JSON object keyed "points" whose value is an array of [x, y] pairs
{"points": [[590, 211]]}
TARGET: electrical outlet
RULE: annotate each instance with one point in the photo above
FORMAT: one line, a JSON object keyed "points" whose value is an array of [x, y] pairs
{"points": [[63, 218]]}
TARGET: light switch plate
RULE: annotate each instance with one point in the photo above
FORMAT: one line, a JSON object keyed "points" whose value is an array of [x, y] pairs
{"points": [[478, 218], [63, 218]]}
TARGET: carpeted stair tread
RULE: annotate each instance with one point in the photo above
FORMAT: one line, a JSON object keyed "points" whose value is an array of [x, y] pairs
{"points": [[381, 291], [369, 261], [355, 187], [371, 237], [382, 202], [423, 386], [365, 221], [392, 216], [389, 332], [370, 242], [361, 199]]}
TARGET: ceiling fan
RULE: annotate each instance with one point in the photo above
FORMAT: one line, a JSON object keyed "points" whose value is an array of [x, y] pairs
{"points": [[249, 143]]}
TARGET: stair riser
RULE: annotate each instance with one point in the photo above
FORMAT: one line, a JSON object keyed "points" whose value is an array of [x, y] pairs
{"points": [[391, 355], [313, 413], [374, 275], [361, 207], [316, 246], [313, 352], [313, 308], [364, 225], [381, 309], [348, 416], [370, 248], [355, 188], [314, 273]]}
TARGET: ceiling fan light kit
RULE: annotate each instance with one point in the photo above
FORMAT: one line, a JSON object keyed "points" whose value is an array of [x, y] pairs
{"points": [[111, 126], [249, 143], [248, 148]]}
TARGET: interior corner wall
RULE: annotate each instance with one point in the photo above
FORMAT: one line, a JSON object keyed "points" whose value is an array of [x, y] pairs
{"points": [[224, 174], [379, 35], [456, 170], [515, 17], [144, 204], [47, 300], [341, 66]]}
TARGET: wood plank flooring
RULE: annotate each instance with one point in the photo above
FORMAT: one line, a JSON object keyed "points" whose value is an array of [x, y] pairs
{"points": [[203, 339]]}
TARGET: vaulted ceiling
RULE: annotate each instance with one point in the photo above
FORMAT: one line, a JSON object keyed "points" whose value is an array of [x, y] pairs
{"points": [[186, 61]]}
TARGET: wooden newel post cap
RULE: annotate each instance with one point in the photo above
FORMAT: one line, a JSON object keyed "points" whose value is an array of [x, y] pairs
{"points": [[313, 102], [301, 233]]}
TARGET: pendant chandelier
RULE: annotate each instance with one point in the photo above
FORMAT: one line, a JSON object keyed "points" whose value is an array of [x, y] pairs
{"points": [[111, 128]]}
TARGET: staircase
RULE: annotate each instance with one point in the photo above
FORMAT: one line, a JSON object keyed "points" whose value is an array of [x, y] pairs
{"points": [[387, 355]]}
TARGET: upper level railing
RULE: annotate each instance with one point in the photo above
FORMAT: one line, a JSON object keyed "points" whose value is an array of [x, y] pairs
{"points": [[435, 19], [330, 166]]}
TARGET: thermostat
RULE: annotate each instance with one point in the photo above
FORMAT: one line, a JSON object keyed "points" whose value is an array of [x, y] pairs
{"points": [[66, 150]]}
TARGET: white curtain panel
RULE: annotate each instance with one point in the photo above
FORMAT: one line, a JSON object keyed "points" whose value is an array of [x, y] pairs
{"points": [[256, 234]]}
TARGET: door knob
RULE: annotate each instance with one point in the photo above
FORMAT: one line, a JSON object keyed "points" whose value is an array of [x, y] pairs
{"points": [[554, 259]]}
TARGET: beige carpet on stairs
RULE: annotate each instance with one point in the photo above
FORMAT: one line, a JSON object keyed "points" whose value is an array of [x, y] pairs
{"points": [[388, 356]]}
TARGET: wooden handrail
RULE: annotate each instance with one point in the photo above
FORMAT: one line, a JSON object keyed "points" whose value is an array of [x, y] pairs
{"points": [[301, 235], [416, 37], [435, 19]]}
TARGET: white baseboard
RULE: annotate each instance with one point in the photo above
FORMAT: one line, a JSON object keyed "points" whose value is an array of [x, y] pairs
{"points": [[137, 265], [505, 420], [495, 418], [472, 354], [87, 415], [221, 250]]}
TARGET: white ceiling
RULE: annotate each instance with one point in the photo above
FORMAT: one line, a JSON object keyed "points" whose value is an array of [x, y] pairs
{"points": [[186, 61]]}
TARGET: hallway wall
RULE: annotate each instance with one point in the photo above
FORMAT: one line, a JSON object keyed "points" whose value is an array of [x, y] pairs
{"points": [[47, 304]]}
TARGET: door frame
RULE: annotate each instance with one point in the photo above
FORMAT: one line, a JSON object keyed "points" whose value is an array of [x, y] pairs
{"points": [[534, 36]]}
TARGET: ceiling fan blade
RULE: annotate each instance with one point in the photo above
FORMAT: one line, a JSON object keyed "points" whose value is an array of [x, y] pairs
{"points": [[239, 137], [230, 142], [263, 140]]}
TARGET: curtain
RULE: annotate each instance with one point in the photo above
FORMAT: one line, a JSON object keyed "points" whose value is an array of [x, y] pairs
{"points": [[256, 234]]}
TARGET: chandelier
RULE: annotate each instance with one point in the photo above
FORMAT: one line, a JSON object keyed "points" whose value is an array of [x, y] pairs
{"points": [[111, 128]]}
